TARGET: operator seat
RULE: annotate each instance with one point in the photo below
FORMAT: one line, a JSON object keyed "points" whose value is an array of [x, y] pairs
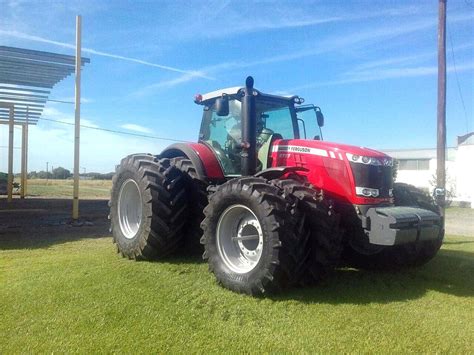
{"points": [[264, 143]]}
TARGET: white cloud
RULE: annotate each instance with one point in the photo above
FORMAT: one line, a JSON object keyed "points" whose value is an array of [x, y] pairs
{"points": [[136, 128], [329, 44], [54, 143], [165, 84], [218, 19], [384, 73], [84, 100], [34, 38], [100, 151]]}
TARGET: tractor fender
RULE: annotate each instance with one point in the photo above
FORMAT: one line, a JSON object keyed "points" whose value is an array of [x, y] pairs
{"points": [[203, 159], [279, 171]]}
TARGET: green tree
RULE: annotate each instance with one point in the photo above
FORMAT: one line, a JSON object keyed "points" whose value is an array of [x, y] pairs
{"points": [[61, 173]]}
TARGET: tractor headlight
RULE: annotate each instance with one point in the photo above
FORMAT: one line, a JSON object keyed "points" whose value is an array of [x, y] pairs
{"points": [[367, 192], [368, 160]]}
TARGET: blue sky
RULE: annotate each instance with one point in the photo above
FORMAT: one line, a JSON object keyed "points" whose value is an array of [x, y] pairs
{"points": [[370, 66]]}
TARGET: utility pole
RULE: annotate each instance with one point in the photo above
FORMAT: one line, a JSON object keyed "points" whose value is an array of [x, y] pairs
{"points": [[77, 120], [47, 167], [440, 191]]}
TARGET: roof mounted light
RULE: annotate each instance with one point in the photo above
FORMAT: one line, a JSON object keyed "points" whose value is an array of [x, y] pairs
{"points": [[298, 100], [198, 98]]}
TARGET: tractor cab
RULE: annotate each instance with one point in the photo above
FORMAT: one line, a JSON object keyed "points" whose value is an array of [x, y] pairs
{"points": [[276, 117]]}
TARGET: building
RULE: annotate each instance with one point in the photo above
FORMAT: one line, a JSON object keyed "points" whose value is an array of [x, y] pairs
{"points": [[418, 167]]}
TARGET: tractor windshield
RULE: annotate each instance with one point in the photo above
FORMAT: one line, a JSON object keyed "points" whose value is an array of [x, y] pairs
{"points": [[275, 118]]}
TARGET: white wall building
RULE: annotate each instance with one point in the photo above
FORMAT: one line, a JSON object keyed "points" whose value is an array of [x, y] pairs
{"points": [[418, 167]]}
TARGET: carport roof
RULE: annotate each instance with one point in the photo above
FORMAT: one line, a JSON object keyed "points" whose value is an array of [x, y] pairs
{"points": [[26, 79]]}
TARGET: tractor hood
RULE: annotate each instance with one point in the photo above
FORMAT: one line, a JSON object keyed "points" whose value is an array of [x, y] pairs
{"points": [[355, 174], [329, 150]]}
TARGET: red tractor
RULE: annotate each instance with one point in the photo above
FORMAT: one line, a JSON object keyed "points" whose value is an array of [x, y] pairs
{"points": [[272, 203]]}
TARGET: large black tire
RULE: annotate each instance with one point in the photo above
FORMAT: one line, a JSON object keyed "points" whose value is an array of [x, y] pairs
{"points": [[319, 250], [409, 195], [196, 193], [276, 265], [161, 207], [406, 255]]}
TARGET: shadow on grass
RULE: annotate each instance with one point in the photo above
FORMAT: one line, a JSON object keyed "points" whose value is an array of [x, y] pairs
{"points": [[450, 272], [42, 223]]}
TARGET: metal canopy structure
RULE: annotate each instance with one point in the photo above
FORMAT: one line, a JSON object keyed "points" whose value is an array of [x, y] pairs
{"points": [[26, 79]]}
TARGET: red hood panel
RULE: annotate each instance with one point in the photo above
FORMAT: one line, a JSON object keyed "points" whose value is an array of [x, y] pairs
{"points": [[327, 164], [331, 146]]}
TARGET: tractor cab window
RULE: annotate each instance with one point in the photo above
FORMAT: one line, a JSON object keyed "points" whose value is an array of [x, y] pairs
{"points": [[224, 135], [278, 120], [307, 124]]}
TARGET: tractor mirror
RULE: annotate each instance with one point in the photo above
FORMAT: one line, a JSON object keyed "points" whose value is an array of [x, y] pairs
{"points": [[319, 117], [222, 106]]}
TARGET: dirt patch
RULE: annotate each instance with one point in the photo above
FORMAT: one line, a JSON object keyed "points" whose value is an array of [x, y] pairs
{"points": [[38, 222]]}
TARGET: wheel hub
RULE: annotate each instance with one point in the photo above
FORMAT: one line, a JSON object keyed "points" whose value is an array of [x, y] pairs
{"points": [[129, 208], [239, 238]]}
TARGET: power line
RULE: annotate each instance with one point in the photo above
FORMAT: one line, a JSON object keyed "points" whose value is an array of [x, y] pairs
{"points": [[457, 81], [113, 131]]}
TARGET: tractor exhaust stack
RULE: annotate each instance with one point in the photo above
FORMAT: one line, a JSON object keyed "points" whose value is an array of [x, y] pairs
{"points": [[249, 130]]}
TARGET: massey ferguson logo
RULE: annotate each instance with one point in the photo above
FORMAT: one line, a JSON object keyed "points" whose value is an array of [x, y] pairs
{"points": [[295, 149]]}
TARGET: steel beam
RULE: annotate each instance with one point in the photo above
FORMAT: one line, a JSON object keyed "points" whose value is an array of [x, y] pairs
{"points": [[24, 89], [26, 126], [23, 161], [21, 116], [21, 95], [39, 55], [19, 123], [26, 83], [10, 155], [3, 98]]}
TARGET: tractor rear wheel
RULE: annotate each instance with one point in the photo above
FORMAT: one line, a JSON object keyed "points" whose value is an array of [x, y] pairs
{"points": [[148, 207], [249, 241], [320, 248], [196, 192], [406, 255]]}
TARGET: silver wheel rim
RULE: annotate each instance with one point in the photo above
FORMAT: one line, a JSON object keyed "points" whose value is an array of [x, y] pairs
{"points": [[129, 208], [239, 238]]}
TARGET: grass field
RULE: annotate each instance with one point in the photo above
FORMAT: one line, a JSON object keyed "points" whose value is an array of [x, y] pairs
{"points": [[63, 188], [80, 296]]}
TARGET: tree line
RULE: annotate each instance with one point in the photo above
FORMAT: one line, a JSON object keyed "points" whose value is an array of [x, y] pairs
{"points": [[62, 173]]}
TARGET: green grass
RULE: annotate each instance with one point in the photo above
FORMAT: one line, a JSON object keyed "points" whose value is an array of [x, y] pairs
{"points": [[80, 296], [63, 188]]}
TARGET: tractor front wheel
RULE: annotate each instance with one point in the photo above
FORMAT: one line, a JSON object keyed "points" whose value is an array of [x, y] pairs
{"points": [[248, 241]]}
